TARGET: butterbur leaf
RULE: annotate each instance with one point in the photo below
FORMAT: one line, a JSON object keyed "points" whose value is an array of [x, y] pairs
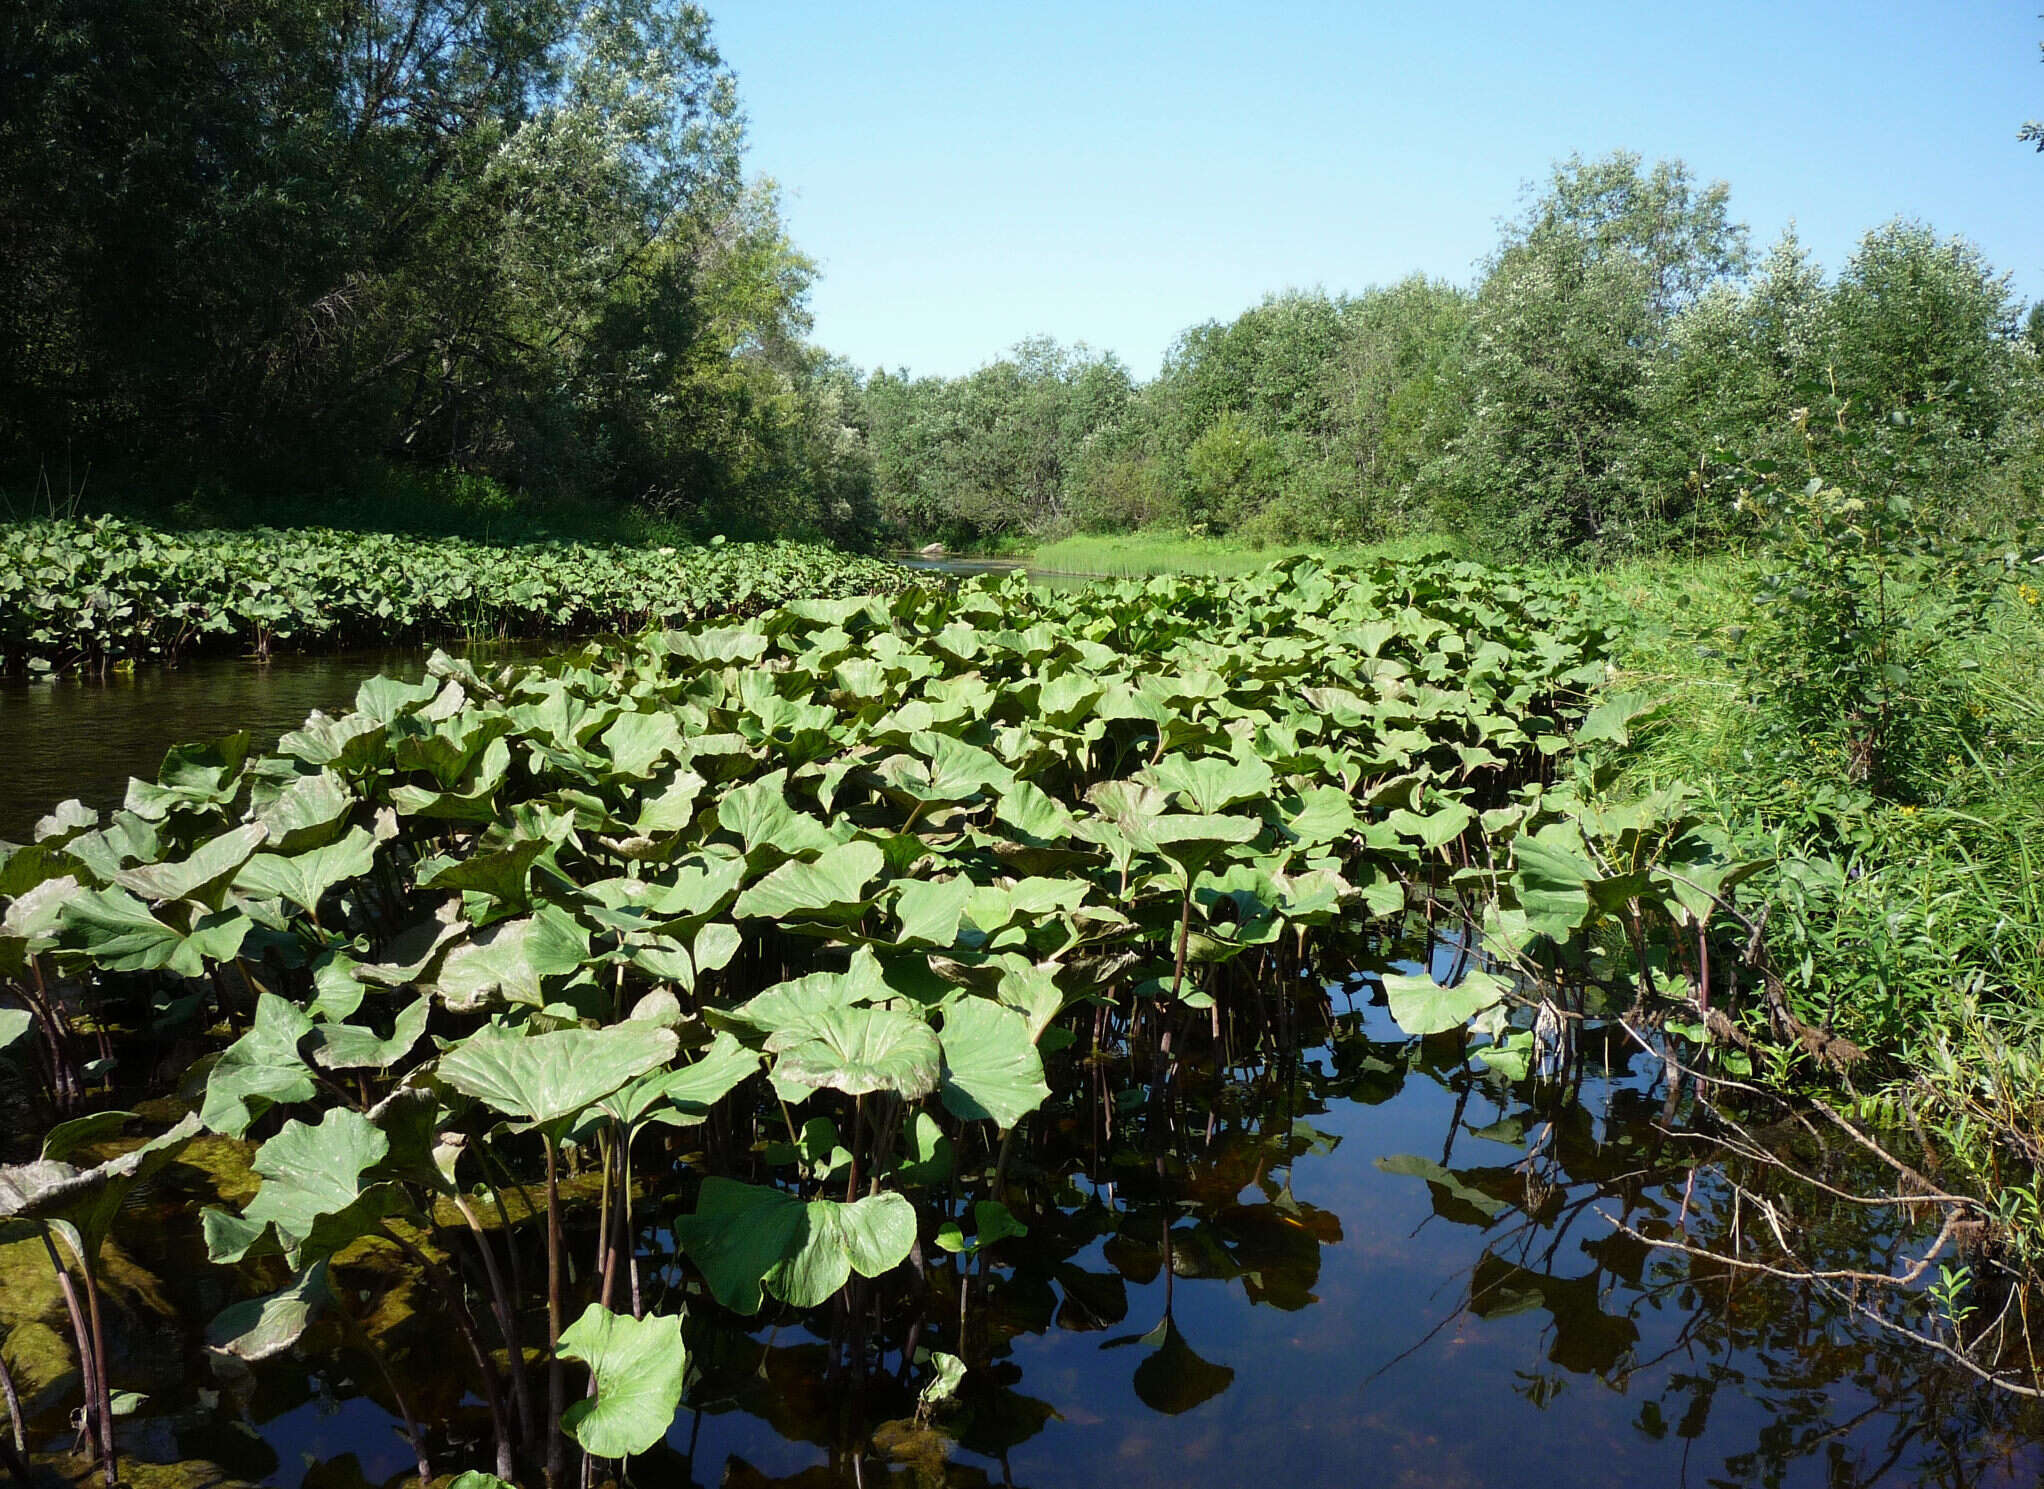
{"points": [[992, 1071], [930, 910], [1422, 1006], [738, 1234], [831, 888], [260, 1068], [15, 1024], [548, 1078], [314, 1199], [305, 878], [638, 1364], [869, 1236], [947, 1374], [857, 1050], [203, 875], [745, 1237], [352, 1047], [992, 1222], [257, 1328]]}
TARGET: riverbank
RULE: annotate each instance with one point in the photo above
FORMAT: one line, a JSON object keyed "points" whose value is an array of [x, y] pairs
{"points": [[1903, 917]]}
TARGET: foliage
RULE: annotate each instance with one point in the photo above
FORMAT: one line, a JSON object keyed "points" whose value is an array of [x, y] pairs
{"points": [[1566, 403], [98, 593], [1864, 609], [854, 856], [257, 245]]}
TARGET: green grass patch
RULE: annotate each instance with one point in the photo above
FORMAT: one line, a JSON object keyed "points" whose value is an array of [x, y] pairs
{"points": [[1137, 555]]}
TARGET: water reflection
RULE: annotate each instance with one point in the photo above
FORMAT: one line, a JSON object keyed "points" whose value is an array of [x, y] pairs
{"points": [[1328, 1255], [85, 736]]}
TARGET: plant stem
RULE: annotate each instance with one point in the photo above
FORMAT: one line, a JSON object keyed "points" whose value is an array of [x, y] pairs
{"points": [[556, 1384]]}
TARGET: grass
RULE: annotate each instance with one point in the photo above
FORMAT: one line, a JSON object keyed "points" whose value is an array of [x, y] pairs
{"points": [[1914, 928], [1137, 555]]}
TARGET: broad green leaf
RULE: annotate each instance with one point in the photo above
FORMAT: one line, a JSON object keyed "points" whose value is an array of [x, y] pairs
{"points": [[353, 1047], [548, 1078], [1422, 1006], [259, 1069], [305, 878], [857, 1050], [869, 1236], [930, 910], [639, 1364], [203, 875], [992, 1071], [831, 888], [258, 1328], [313, 1200]]}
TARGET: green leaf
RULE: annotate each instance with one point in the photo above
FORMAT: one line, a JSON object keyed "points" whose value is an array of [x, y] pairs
{"points": [[639, 1365], [992, 1071], [743, 1237], [257, 1328], [928, 1157], [992, 1222], [305, 878], [738, 1234], [258, 1069], [1422, 1006], [831, 888], [930, 910], [857, 1050], [352, 1047], [869, 1236], [1551, 874], [203, 875], [508, 962], [549, 1078], [313, 1200]]}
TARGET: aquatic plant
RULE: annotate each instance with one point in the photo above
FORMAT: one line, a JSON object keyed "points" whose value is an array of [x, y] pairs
{"points": [[865, 861]]}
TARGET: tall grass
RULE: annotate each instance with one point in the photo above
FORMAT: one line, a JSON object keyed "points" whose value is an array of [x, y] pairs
{"points": [[1915, 929]]}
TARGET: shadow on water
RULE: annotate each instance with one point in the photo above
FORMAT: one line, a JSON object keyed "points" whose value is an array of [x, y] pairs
{"points": [[1309, 1252]]}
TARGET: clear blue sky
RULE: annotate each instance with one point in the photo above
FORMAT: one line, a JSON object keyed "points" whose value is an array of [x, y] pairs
{"points": [[968, 174]]}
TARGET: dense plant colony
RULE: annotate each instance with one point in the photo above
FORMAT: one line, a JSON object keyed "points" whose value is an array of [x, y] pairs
{"points": [[843, 875], [95, 594]]}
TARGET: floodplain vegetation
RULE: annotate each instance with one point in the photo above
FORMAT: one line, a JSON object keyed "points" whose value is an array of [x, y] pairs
{"points": [[96, 594], [822, 897]]}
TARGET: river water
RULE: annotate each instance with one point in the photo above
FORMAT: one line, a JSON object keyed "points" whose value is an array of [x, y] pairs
{"points": [[1336, 1257]]}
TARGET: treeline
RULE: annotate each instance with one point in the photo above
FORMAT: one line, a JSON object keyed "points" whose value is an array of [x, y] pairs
{"points": [[1622, 335], [444, 252]]}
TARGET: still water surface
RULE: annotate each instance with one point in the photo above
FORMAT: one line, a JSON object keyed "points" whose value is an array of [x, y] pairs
{"points": [[1350, 1258]]}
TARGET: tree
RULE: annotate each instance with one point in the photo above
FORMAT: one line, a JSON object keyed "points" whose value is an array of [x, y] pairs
{"points": [[1572, 316]]}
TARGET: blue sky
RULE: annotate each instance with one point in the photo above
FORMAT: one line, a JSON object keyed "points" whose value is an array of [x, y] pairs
{"points": [[969, 174]]}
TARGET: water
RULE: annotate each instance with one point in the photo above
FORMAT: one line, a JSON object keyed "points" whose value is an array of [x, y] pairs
{"points": [[1349, 1259], [85, 737]]}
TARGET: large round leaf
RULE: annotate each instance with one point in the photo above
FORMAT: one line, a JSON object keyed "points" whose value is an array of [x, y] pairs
{"points": [[638, 1364], [857, 1050], [547, 1078]]}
